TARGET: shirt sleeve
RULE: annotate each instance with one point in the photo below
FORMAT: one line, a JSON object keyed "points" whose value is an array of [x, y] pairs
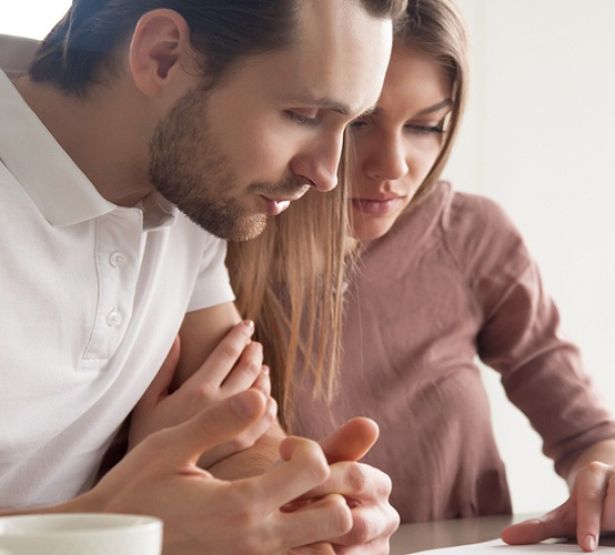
{"points": [[542, 372], [212, 286]]}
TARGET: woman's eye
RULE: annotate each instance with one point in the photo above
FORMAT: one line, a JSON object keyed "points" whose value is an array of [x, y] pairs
{"points": [[423, 129], [302, 118]]}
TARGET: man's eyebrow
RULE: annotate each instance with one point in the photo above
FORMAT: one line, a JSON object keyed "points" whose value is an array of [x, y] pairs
{"points": [[324, 103]]}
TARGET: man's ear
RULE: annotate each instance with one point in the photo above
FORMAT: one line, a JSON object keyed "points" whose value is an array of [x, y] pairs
{"points": [[159, 52]]}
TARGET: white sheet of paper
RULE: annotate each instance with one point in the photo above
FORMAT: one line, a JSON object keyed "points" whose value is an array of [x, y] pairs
{"points": [[498, 547]]}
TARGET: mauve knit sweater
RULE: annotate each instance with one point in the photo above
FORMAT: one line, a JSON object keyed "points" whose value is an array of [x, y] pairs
{"points": [[453, 281]]}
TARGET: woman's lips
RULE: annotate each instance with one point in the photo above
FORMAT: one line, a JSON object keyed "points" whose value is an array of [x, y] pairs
{"points": [[377, 207]]}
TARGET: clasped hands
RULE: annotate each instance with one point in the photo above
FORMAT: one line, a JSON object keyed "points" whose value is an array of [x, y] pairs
{"points": [[316, 498]]}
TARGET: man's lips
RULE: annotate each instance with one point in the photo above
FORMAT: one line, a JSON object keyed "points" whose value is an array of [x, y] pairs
{"points": [[278, 203], [276, 206]]}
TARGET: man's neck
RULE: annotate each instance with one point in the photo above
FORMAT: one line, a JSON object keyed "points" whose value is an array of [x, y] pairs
{"points": [[108, 142]]}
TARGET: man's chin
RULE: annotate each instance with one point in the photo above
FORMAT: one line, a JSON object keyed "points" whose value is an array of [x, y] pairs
{"points": [[244, 229]]}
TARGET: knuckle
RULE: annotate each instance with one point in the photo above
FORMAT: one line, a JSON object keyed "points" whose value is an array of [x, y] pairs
{"points": [[387, 485], [590, 495], [356, 479], [363, 530], [230, 349], [252, 367], [270, 417], [240, 443], [205, 393], [595, 467], [315, 465], [394, 520], [257, 348], [339, 515]]}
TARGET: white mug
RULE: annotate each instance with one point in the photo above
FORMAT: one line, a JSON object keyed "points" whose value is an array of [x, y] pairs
{"points": [[80, 534]]}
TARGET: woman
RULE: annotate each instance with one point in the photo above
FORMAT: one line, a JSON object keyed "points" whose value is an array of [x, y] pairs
{"points": [[441, 278]]}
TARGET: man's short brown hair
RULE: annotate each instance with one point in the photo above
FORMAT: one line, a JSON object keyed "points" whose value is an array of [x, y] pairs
{"points": [[83, 42]]}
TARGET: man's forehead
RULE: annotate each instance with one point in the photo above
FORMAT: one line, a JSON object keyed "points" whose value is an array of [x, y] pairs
{"points": [[340, 56]]}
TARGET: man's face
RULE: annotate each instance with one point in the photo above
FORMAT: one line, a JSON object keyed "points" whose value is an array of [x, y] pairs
{"points": [[273, 128]]}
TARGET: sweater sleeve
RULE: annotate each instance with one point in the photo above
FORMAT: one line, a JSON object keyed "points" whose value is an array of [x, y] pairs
{"points": [[541, 371]]}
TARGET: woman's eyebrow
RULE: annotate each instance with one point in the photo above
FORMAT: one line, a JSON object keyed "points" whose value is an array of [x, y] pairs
{"points": [[447, 102]]}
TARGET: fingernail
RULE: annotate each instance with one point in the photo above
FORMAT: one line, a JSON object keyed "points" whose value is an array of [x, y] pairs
{"points": [[245, 406], [249, 325], [589, 543]]}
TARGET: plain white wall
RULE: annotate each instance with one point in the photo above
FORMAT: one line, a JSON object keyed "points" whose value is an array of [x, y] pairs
{"points": [[538, 138]]}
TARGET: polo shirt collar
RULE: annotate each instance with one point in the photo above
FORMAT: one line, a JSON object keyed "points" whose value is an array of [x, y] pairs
{"points": [[62, 192]]}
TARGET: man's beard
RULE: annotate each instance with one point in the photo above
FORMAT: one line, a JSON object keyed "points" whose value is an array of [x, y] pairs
{"points": [[189, 171]]}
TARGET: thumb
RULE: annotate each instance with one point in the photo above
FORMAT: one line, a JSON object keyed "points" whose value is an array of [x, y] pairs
{"points": [[535, 530], [351, 441], [213, 426], [159, 388]]}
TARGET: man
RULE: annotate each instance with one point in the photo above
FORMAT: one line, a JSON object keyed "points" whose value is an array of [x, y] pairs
{"points": [[226, 111]]}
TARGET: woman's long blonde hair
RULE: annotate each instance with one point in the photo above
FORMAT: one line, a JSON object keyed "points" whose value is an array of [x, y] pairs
{"points": [[437, 28], [290, 279]]}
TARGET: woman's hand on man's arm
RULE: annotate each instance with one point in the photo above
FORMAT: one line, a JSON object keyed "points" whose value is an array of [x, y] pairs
{"points": [[234, 365]]}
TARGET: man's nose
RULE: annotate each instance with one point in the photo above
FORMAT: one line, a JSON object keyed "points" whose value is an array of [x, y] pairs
{"points": [[320, 163]]}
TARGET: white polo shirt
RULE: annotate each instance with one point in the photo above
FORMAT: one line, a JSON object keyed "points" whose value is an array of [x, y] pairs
{"points": [[92, 296]]}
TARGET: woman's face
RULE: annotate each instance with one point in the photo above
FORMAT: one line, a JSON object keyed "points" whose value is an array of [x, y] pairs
{"points": [[397, 144]]}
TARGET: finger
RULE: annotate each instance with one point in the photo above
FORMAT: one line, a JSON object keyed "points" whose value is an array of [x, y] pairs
{"points": [[242, 441], [326, 518], [159, 388], [370, 524], [379, 545], [590, 488], [608, 510], [304, 468], [552, 525], [351, 441], [224, 357], [185, 443], [246, 371], [314, 549], [263, 382], [356, 481]]}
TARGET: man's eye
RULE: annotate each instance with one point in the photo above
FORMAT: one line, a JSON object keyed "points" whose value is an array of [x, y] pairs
{"points": [[302, 118], [357, 123]]}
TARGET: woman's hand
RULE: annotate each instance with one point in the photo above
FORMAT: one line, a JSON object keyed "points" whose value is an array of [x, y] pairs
{"points": [[588, 512], [235, 365]]}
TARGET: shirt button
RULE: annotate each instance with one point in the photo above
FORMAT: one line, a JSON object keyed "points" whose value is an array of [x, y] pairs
{"points": [[114, 319], [117, 259]]}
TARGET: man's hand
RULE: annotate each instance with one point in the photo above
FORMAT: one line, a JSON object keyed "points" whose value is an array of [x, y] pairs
{"points": [[235, 365], [366, 490], [589, 510], [202, 514]]}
